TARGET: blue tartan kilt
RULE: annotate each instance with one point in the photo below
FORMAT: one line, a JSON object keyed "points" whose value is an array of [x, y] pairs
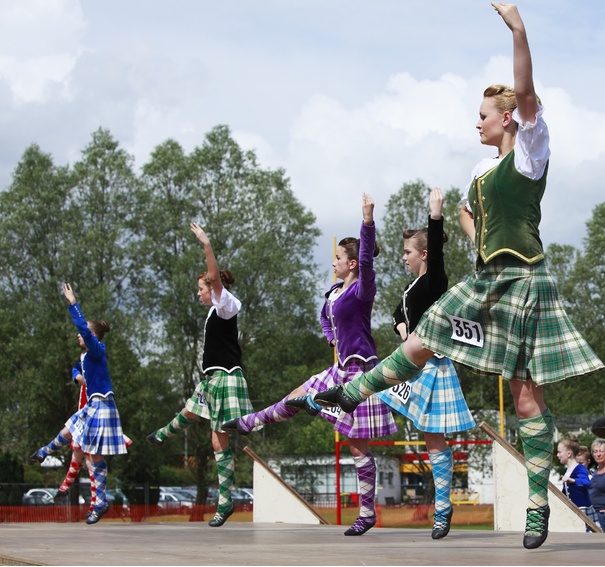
{"points": [[432, 400], [97, 429]]}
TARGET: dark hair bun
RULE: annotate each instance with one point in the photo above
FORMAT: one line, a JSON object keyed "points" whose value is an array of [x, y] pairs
{"points": [[227, 278]]}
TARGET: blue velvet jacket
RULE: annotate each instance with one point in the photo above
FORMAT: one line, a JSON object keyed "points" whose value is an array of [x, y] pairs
{"points": [[578, 490], [94, 366]]}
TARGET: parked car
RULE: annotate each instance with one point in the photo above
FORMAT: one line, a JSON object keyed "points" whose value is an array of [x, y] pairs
{"points": [[175, 502], [170, 488], [240, 498], [190, 491], [43, 497], [248, 492], [115, 497], [39, 496]]}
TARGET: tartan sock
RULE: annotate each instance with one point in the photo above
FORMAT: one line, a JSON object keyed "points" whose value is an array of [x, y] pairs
{"points": [[537, 438], [99, 471], [179, 423], [442, 464], [392, 370], [58, 442], [366, 476], [74, 468], [277, 412], [225, 465]]}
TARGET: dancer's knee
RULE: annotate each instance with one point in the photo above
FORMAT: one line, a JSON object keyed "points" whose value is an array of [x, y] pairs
{"points": [[415, 351]]}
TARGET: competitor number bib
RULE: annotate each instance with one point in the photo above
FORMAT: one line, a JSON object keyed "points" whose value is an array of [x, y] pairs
{"points": [[465, 331]]}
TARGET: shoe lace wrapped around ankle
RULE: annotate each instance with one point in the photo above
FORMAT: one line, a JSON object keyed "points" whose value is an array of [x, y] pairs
{"points": [[536, 522], [218, 516], [361, 524], [441, 520]]}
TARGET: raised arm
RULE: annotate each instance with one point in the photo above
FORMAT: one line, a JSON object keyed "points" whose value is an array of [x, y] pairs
{"points": [[527, 101], [436, 276], [367, 209], [366, 290], [96, 348], [211, 264], [436, 203]]}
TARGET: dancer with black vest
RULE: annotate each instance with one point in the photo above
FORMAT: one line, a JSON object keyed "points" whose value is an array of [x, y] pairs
{"points": [[223, 393]]}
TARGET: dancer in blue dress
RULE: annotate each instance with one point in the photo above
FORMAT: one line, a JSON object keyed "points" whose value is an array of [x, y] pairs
{"points": [[96, 428]]}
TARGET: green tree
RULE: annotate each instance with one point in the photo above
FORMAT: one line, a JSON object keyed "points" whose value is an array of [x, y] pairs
{"points": [[580, 277], [259, 231], [65, 225], [103, 226], [35, 357]]}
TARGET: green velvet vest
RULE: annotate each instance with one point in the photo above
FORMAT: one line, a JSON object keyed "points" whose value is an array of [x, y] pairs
{"points": [[506, 210]]}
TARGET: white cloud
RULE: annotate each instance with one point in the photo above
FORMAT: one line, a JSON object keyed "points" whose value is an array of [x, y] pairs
{"points": [[39, 42], [346, 101]]}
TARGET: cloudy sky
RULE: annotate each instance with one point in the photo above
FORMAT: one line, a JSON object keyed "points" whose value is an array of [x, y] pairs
{"points": [[346, 95]]}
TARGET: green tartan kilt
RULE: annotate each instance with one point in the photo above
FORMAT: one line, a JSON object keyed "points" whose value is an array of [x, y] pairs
{"points": [[527, 333], [221, 397]]}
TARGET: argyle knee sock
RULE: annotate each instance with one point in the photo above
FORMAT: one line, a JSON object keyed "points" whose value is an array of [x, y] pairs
{"points": [[392, 370], [537, 438], [277, 412], [225, 465], [58, 442], [99, 471], [179, 423], [93, 490], [74, 468], [366, 475], [442, 464]]}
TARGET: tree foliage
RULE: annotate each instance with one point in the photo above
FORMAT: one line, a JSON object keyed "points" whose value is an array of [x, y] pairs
{"points": [[122, 238], [124, 241]]}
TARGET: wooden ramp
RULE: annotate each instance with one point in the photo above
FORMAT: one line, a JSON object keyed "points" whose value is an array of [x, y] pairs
{"points": [[275, 500], [510, 491]]}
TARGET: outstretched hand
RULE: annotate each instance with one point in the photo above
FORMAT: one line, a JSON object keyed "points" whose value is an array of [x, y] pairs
{"points": [[510, 15], [367, 208], [436, 203], [199, 233], [68, 293]]}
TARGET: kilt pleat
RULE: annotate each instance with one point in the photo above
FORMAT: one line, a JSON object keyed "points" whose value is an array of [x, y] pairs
{"points": [[221, 397], [97, 429], [432, 400], [527, 333], [370, 420]]}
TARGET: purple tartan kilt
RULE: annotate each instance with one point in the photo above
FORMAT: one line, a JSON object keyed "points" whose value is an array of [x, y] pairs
{"points": [[97, 429], [371, 419]]}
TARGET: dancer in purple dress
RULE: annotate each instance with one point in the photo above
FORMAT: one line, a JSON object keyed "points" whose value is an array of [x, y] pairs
{"points": [[346, 321]]}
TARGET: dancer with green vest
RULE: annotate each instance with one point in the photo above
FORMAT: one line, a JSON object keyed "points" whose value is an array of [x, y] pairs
{"points": [[507, 318]]}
